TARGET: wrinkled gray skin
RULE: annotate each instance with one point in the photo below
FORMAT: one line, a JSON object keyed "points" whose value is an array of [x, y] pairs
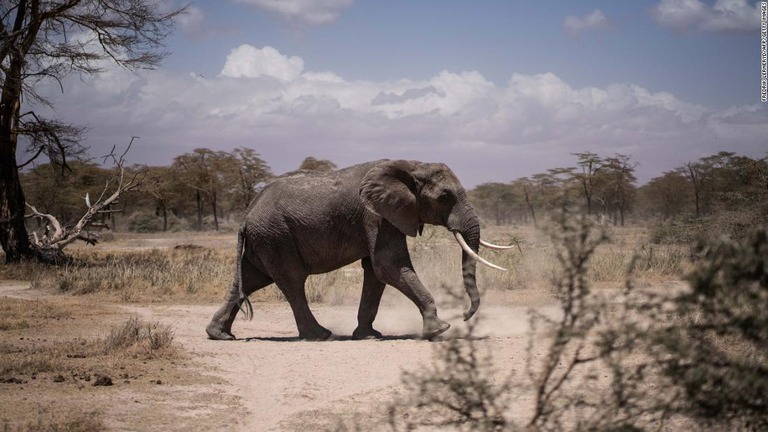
{"points": [[307, 223]]}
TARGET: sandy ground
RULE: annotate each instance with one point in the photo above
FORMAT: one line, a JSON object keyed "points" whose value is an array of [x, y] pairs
{"points": [[270, 380]]}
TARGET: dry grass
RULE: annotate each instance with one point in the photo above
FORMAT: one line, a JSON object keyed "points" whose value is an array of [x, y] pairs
{"points": [[133, 339], [532, 261], [21, 314], [60, 370], [180, 268], [131, 276], [139, 339], [74, 422]]}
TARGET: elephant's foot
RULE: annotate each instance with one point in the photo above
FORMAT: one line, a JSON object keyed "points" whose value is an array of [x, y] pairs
{"points": [[216, 332], [434, 328], [318, 333], [366, 333]]}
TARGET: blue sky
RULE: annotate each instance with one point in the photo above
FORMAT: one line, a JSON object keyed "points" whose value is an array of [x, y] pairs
{"points": [[395, 39], [497, 89]]}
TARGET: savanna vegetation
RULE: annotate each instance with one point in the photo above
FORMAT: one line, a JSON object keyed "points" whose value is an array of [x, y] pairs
{"points": [[209, 190], [628, 351], [638, 359], [633, 347]]}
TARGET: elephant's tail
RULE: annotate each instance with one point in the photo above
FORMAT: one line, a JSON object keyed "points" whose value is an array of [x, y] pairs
{"points": [[245, 303]]}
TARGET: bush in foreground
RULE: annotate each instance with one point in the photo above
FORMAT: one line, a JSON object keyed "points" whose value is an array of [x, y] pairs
{"points": [[716, 352], [638, 361]]}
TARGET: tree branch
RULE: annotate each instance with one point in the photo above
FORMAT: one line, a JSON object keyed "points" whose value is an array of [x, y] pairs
{"points": [[63, 236]]}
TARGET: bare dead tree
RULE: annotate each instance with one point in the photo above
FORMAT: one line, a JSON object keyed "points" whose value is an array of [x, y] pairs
{"points": [[51, 243]]}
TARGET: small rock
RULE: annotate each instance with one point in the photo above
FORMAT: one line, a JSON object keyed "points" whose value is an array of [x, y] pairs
{"points": [[58, 379], [158, 382], [12, 380], [102, 380]]}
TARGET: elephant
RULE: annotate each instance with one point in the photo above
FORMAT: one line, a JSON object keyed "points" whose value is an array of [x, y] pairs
{"points": [[305, 223]]}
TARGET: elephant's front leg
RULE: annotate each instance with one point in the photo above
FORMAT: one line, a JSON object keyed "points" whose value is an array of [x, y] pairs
{"points": [[373, 288], [393, 266], [409, 284]]}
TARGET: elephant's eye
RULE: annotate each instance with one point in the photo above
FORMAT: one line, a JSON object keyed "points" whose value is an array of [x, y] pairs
{"points": [[444, 196]]}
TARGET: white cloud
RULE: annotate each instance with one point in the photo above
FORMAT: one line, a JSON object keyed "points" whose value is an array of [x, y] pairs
{"points": [[594, 21], [263, 99], [724, 16], [250, 62], [312, 12], [192, 22]]}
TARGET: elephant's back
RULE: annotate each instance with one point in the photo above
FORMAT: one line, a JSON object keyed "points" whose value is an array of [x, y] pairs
{"points": [[320, 215], [310, 198]]}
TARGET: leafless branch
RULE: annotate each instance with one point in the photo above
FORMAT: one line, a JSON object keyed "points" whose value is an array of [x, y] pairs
{"points": [[114, 187]]}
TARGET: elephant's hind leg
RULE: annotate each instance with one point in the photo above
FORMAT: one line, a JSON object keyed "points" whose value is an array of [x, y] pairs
{"points": [[292, 287], [373, 288], [220, 327]]}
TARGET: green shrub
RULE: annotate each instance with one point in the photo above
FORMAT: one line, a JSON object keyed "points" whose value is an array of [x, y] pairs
{"points": [[144, 222]]}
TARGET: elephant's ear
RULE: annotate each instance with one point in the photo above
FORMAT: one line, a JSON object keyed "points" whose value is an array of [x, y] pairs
{"points": [[389, 190]]}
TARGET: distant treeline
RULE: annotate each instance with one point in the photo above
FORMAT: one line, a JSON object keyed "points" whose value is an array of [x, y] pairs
{"points": [[205, 189], [723, 183]]}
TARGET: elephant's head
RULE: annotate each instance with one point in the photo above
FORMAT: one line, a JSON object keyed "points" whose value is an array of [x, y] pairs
{"points": [[410, 194]]}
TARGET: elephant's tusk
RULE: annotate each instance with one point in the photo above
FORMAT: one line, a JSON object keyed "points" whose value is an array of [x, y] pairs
{"points": [[495, 247], [472, 253]]}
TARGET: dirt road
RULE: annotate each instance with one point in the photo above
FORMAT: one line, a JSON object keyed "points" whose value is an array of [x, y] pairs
{"points": [[286, 384], [269, 380]]}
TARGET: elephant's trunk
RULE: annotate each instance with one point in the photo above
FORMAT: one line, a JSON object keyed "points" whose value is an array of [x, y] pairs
{"points": [[468, 268], [467, 226]]}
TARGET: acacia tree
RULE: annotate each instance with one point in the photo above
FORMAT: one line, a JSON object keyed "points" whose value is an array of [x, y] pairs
{"points": [[698, 174], [313, 164], [159, 185], [527, 187], [590, 164], [620, 179], [494, 201], [194, 171], [667, 194], [252, 171], [47, 40]]}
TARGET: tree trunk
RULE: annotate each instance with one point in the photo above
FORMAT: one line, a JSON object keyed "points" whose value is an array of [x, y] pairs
{"points": [[530, 206], [215, 212], [621, 215], [13, 233], [588, 196], [199, 200]]}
